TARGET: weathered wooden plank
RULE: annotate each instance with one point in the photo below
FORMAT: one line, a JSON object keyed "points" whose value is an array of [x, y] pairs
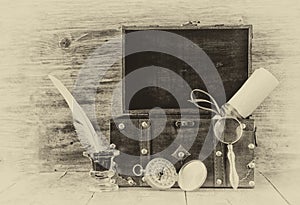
{"points": [[139, 196], [49, 188], [69, 188], [74, 188], [286, 184], [263, 193], [28, 187]]}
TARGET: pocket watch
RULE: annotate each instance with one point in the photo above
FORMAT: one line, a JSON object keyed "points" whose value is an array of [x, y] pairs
{"points": [[192, 175]]}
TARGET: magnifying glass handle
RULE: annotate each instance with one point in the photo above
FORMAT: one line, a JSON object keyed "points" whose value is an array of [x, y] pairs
{"points": [[233, 176]]}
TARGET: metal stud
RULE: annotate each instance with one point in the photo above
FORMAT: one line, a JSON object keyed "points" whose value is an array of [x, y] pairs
{"points": [[251, 183], [144, 151], [112, 146], [219, 181], [251, 165], [145, 124], [243, 126], [121, 126], [218, 153], [130, 181], [181, 154], [251, 146]]}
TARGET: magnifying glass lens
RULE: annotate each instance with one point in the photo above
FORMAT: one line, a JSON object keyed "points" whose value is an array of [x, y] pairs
{"points": [[228, 130]]}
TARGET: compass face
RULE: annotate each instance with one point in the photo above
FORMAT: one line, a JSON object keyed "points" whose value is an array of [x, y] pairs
{"points": [[160, 174]]}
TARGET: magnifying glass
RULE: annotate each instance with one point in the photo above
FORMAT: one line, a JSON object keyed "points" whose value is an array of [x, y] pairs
{"points": [[229, 130]]}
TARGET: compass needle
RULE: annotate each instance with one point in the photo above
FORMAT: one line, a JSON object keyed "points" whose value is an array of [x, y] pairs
{"points": [[160, 174]]}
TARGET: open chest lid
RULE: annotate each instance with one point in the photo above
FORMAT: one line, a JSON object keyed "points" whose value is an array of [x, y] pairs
{"points": [[160, 65]]}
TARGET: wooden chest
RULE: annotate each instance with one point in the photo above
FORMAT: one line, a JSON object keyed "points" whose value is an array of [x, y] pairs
{"points": [[167, 57]]}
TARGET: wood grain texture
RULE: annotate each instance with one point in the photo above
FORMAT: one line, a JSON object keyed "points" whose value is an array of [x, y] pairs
{"points": [[35, 122], [262, 194], [74, 188]]}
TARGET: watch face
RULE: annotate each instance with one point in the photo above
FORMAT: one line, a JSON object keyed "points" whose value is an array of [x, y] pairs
{"points": [[160, 174], [192, 175]]}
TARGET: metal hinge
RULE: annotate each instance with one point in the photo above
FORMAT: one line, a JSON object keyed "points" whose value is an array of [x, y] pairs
{"points": [[184, 123]]}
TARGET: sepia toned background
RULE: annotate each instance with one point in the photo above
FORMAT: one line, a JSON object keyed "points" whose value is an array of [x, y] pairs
{"points": [[36, 132]]}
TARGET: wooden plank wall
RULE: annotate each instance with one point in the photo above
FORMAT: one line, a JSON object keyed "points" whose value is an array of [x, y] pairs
{"points": [[36, 129]]}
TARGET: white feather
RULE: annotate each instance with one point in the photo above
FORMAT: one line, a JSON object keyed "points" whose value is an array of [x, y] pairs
{"points": [[84, 128]]}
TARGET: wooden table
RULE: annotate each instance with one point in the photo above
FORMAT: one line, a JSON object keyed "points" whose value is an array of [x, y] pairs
{"points": [[73, 188]]}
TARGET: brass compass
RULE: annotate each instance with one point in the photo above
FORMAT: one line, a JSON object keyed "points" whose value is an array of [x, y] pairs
{"points": [[159, 173]]}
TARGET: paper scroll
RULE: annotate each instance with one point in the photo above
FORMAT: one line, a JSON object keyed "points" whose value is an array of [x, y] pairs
{"points": [[259, 85]]}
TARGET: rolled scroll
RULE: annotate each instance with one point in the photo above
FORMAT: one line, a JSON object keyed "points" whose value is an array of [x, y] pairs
{"points": [[258, 86]]}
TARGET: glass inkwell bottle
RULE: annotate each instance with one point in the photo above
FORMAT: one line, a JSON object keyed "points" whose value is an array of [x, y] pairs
{"points": [[103, 169]]}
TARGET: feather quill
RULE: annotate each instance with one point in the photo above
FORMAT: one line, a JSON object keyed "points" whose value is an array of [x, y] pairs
{"points": [[84, 128]]}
